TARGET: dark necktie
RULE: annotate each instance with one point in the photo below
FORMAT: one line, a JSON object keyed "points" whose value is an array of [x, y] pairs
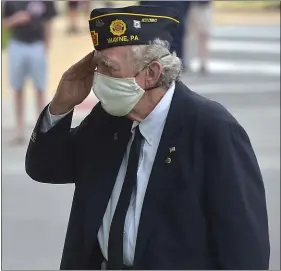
{"points": [[115, 242]]}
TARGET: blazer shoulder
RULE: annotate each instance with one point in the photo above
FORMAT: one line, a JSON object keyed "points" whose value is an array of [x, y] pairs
{"points": [[204, 109]]}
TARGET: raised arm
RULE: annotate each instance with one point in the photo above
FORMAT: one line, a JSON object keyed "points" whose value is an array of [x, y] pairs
{"points": [[50, 157]]}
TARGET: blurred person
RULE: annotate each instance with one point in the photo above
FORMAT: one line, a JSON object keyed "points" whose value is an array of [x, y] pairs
{"points": [[182, 7], [108, 4], [29, 23], [164, 178], [73, 15], [87, 7], [73, 8], [199, 29]]}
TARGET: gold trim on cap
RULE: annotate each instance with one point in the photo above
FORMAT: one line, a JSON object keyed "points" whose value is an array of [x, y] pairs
{"points": [[134, 14]]}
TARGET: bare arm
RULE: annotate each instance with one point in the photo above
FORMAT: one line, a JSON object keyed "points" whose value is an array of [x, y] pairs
{"points": [[8, 22], [19, 18]]}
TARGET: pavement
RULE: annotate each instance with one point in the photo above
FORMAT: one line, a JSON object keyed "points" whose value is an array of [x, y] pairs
{"points": [[244, 76]]}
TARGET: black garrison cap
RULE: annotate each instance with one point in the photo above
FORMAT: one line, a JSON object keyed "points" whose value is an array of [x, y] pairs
{"points": [[133, 25]]}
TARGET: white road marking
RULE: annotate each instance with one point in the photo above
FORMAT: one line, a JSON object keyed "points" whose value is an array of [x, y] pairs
{"points": [[245, 46], [239, 88], [238, 67], [238, 32]]}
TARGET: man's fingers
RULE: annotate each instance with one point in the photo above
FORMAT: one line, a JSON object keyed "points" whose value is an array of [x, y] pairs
{"points": [[84, 61], [83, 67], [88, 59], [88, 63], [93, 62], [89, 81]]}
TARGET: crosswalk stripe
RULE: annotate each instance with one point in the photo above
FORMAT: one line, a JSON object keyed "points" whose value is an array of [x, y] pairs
{"points": [[242, 46], [238, 67], [237, 88], [242, 32]]}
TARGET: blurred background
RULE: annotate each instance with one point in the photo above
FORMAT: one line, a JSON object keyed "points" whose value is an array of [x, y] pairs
{"points": [[231, 55]]}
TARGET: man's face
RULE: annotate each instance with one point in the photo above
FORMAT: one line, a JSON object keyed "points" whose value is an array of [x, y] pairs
{"points": [[118, 62]]}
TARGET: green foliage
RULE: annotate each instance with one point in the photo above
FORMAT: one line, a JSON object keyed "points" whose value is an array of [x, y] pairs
{"points": [[4, 38]]}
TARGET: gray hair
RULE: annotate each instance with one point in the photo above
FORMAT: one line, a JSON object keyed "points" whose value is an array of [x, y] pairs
{"points": [[172, 65]]}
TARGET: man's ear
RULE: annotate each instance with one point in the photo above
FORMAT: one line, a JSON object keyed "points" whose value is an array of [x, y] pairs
{"points": [[153, 73]]}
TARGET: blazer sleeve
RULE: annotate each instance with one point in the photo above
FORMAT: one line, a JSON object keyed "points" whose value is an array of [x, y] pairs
{"points": [[236, 200], [50, 156]]}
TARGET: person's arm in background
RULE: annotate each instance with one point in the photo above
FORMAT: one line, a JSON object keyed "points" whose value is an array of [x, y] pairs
{"points": [[11, 18], [49, 15]]}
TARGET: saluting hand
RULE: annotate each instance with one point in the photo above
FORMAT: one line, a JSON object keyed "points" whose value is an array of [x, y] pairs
{"points": [[75, 85]]}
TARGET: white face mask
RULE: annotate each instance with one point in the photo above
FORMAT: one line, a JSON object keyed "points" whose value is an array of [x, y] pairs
{"points": [[118, 96]]}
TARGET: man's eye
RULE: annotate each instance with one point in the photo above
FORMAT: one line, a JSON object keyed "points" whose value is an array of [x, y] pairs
{"points": [[106, 65], [111, 68], [102, 66]]}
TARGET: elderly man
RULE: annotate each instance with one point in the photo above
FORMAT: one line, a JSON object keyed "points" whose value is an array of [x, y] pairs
{"points": [[164, 178]]}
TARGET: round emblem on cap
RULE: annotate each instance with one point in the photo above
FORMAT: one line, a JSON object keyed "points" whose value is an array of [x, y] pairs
{"points": [[118, 27]]}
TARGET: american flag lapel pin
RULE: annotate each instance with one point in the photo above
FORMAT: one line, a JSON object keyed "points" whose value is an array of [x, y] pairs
{"points": [[169, 159], [172, 149]]}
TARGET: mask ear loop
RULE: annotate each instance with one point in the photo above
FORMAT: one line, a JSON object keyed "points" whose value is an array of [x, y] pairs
{"points": [[147, 66]]}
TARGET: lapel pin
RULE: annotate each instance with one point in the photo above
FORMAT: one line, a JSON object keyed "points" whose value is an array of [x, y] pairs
{"points": [[172, 149], [168, 160], [115, 136]]}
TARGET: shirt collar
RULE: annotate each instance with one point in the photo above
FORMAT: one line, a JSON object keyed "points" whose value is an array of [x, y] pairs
{"points": [[151, 125]]}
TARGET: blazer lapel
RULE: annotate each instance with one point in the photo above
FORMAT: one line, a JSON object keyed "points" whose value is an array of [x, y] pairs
{"points": [[160, 184]]}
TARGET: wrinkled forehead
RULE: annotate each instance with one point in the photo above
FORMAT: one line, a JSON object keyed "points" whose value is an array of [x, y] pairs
{"points": [[114, 56]]}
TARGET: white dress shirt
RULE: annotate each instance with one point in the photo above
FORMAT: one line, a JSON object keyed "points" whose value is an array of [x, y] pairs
{"points": [[151, 129]]}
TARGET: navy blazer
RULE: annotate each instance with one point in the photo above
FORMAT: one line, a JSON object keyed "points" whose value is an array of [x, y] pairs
{"points": [[204, 210]]}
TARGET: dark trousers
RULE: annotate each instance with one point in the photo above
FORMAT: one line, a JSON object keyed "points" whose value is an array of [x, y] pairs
{"points": [[73, 5]]}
